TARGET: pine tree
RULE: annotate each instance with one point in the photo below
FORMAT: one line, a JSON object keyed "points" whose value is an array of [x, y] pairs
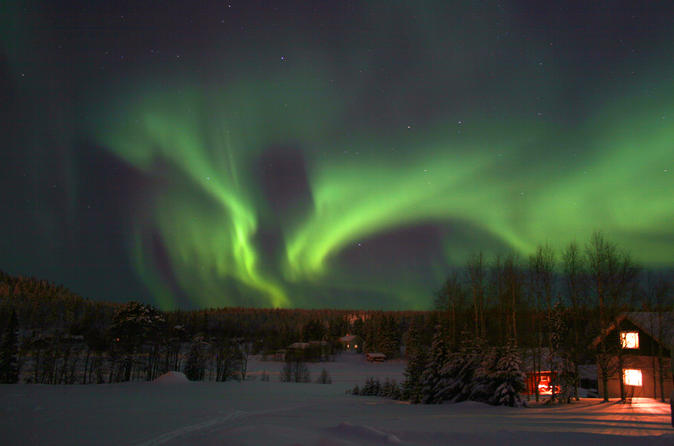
{"points": [[413, 372], [510, 379], [411, 387], [460, 369], [485, 382], [433, 378], [9, 352], [388, 339]]}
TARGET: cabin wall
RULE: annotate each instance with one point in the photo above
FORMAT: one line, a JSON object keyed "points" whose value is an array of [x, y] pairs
{"points": [[650, 377]]}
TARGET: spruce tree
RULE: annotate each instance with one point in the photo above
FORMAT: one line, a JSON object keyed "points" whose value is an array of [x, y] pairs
{"points": [[9, 352], [433, 379], [510, 378], [460, 370], [413, 373], [388, 339], [484, 382], [411, 387]]}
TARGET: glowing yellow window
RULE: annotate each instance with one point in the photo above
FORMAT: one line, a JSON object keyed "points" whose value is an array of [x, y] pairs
{"points": [[629, 339], [632, 377]]}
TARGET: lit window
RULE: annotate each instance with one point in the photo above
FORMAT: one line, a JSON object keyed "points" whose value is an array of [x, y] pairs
{"points": [[629, 339], [355, 346], [632, 377]]}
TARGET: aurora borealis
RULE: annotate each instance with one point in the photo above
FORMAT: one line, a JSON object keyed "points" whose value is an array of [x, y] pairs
{"points": [[327, 154]]}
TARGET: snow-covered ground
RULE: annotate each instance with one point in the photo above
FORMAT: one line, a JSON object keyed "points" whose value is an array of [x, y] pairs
{"points": [[172, 412]]}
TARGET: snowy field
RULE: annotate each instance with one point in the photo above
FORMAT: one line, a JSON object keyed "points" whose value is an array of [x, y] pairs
{"points": [[274, 413]]}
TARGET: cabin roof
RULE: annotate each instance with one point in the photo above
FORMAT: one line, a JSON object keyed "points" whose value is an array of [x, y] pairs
{"points": [[658, 325], [349, 338]]}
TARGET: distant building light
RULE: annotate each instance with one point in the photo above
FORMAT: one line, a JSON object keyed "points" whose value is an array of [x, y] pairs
{"points": [[632, 377], [629, 339]]}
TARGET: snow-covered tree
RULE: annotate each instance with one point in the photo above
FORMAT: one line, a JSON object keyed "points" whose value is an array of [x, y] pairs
{"points": [[433, 378], [484, 382], [460, 369], [509, 378], [371, 387], [411, 387]]}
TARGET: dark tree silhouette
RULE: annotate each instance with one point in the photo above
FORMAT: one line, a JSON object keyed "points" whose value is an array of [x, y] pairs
{"points": [[9, 352]]}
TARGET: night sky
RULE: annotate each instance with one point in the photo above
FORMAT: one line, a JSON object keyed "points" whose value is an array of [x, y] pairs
{"points": [[326, 153]]}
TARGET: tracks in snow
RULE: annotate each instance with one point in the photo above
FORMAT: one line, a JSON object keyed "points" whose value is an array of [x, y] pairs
{"points": [[236, 416]]}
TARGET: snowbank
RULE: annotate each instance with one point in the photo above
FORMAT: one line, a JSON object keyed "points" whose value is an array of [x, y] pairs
{"points": [[172, 378]]}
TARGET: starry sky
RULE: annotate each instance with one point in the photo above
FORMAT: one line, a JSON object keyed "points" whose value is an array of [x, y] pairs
{"points": [[326, 153]]}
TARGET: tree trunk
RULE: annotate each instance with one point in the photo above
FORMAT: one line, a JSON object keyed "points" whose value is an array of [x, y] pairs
{"points": [[623, 394], [86, 364]]}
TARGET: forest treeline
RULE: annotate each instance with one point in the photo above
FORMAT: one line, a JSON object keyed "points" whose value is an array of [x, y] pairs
{"points": [[547, 301]]}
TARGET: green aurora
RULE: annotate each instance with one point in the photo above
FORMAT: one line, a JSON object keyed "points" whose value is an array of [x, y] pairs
{"points": [[446, 172], [354, 164]]}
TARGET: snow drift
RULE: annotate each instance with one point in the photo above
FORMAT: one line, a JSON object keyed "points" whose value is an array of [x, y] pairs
{"points": [[172, 378]]}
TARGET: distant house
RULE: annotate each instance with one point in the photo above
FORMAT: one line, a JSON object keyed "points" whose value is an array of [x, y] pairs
{"points": [[543, 380], [539, 372], [640, 344], [375, 357], [351, 343]]}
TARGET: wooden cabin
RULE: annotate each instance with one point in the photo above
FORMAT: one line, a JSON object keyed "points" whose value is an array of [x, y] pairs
{"points": [[351, 343], [543, 380], [375, 357], [639, 345]]}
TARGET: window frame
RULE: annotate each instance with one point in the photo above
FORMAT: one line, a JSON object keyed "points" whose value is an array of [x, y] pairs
{"points": [[625, 339], [630, 376]]}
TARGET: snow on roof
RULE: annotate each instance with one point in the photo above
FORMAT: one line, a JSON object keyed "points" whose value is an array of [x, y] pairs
{"points": [[348, 338], [658, 325], [544, 359]]}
